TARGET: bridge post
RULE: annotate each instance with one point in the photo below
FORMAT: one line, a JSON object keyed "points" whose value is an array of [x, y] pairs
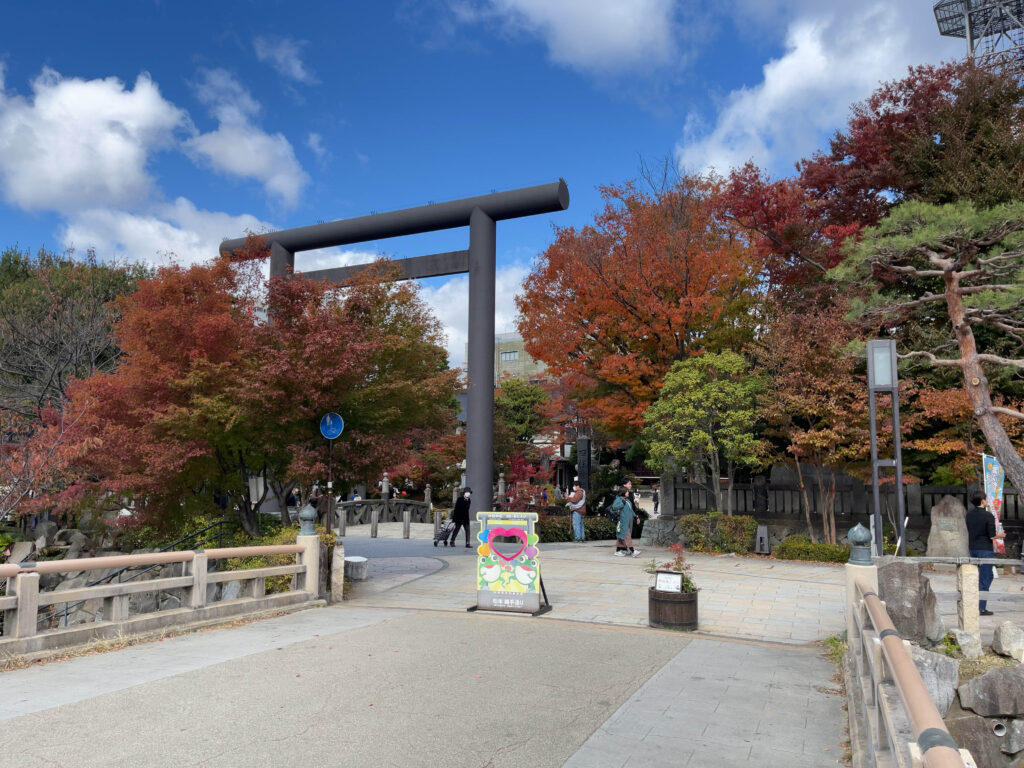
{"points": [[311, 559], [197, 569], [26, 587], [406, 522]]}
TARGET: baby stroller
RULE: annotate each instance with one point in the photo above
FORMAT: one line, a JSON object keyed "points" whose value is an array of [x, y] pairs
{"points": [[444, 532]]}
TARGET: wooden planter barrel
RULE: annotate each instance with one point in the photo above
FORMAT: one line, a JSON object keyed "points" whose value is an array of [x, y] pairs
{"points": [[671, 610]]}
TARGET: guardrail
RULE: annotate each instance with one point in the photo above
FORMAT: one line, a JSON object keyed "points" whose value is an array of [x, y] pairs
{"points": [[904, 726], [23, 601]]}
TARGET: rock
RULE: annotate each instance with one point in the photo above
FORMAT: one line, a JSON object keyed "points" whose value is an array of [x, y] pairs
{"points": [[970, 645], [45, 532], [169, 602], [660, 532], [940, 674], [232, 590], [997, 693], [49, 581], [948, 534], [356, 567], [909, 600], [1009, 641], [1013, 741], [974, 733], [21, 551]]}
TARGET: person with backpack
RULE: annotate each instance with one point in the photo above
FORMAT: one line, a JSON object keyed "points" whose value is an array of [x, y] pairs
{"points": [[623, 510], [578, 504]]}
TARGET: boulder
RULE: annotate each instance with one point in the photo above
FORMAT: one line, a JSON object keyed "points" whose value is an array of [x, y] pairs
{"points": [[231, 590], [21, 551], [1013, 741], [997, 693], [1009, 641], [970, 645], [940, 674], [974, 733], [948, 534], [45, 532], [660, 532], [909, 600]]}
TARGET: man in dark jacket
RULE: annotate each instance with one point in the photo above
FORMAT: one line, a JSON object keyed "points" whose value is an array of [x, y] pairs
{"points": [[981, 530], [460, 516]]}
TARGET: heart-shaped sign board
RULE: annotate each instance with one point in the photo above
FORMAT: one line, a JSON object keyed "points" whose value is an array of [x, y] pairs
{"points": [[507, 543]]}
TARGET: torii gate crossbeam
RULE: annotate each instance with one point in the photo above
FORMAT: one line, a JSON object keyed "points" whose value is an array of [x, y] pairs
{"points": [[480, 214]]}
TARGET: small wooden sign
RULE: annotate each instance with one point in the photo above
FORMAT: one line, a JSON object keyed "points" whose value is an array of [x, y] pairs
{"points": [[668, 581]]}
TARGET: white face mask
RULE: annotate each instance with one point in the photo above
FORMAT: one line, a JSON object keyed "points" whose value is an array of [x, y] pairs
{"points": [[465, 495]]}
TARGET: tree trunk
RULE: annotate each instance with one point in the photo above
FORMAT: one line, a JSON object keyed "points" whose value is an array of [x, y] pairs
{"points": [[807, 502], [976, 386], [730, 500], [716, 474]]}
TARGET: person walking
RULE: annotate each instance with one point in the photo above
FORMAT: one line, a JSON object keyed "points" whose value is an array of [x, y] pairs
{"points": [[654, 499], [460, 516], [578, 504], [625, 505], [981, 533]]}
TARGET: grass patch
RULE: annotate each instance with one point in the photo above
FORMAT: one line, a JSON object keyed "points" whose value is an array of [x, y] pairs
{"points": [[835, 649], [972, 668]]}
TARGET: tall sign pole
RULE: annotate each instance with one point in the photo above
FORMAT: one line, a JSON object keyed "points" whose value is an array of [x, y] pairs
{"points": [[882, 378], [331, 427]]}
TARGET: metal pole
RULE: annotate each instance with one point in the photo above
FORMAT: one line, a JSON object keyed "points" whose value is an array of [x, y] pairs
{"points": [[480, 398], [874, 473], [329, 515], [897, 449]]}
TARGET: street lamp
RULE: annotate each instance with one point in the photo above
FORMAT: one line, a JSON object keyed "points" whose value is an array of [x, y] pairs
{"points": [[882, 378]]}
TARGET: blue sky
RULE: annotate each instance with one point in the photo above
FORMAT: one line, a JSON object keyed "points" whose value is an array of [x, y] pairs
{"points": [[152, 130]]}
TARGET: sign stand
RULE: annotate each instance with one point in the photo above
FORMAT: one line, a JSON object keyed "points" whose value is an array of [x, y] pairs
{"points": [[508, 565], [331, 427]]}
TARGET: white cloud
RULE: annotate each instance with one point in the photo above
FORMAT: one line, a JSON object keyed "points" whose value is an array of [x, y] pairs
{"points": [[316, 143], [450, 304], [240, 148], [175, 231], [77, 143], [598, 36], [284, 55], [835, 54]]}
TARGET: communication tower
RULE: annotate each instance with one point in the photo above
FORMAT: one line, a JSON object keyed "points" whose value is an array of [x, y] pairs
{"points": [[993, 29]]}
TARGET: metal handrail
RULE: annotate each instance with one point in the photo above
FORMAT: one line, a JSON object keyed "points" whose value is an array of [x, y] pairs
{"points": [[939, 750]]}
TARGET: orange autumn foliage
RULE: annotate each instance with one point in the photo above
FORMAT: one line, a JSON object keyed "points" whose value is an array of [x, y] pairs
{"points": [[611, 306]]}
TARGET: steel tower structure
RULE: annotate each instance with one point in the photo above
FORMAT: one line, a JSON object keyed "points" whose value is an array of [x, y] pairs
{"points": [[993, 29]]}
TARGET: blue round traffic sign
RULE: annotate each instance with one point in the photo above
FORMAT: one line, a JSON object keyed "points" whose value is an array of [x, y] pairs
{"points": [[331, 425]]}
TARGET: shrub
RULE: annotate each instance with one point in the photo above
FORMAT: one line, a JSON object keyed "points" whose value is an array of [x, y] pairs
{"points": [[282, 536], [555, 528], [799, 547], [715, 532]]}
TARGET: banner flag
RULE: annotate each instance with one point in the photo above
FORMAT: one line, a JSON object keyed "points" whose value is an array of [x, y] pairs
{"points": [[994, 476]]}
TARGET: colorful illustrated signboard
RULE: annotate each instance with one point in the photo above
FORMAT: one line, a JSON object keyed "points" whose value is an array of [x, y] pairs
{"points": [[994, 479], [508, 569]]}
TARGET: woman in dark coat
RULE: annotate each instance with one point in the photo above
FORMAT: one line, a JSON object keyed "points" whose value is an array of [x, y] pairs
{"points": [[460, 516]]}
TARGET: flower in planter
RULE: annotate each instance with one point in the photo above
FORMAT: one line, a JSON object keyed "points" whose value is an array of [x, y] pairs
{"points": [[677, 564]]}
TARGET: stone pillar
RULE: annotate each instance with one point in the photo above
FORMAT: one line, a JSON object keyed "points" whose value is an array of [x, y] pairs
{"points": [[501, 487], [406, 522], [861, 569], [310, 557], [967, 607], [338, 572], [26, 587], [374, 519], [198, 570]]}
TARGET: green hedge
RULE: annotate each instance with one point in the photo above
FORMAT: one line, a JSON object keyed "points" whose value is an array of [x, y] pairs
{"points": [[555, 528], [715, 532], [799, 547]]}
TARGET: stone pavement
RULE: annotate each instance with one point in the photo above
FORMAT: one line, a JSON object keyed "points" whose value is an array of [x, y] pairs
{"points": [[401, 675]]}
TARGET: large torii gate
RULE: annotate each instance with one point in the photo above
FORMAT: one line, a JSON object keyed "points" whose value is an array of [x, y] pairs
{"points": [[479, 214]]}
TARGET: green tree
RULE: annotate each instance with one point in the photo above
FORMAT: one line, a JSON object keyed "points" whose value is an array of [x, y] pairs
{"points": [[948, 283], [706, 412], [520, 406]]}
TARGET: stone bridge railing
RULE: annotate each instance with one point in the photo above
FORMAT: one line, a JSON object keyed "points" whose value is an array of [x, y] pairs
{"points": [[376, 511], [193, 582]]}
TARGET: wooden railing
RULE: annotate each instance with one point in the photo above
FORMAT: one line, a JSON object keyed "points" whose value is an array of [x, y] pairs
{"points": [[22, 633], [887, 697]]}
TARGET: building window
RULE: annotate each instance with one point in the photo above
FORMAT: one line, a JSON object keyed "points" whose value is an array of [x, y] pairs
{"points": [[508, 357]]}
